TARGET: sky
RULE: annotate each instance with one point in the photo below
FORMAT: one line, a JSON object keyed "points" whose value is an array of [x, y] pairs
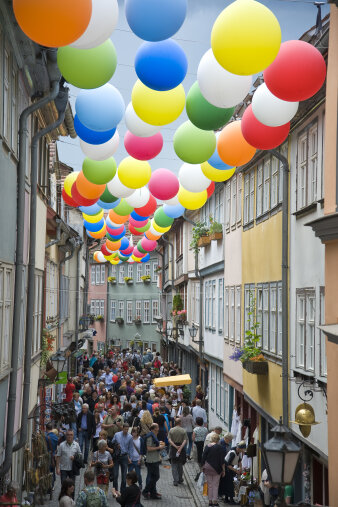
{"points": [[294, 16]]}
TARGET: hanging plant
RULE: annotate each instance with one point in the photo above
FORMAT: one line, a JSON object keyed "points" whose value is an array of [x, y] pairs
{"points": [[177, 303], [200, 230]]}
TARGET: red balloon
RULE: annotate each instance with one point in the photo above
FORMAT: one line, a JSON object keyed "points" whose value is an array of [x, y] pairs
{"points": [[260, 136], [133, 231], [105, 250], [297, 73], [115, 378], [143, 148], [211, 189], [81, 201], [148, 209], [136, 223], [68, 200]]}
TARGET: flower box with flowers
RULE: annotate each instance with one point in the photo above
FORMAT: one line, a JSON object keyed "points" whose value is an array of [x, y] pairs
{"points": [[99, 318], [128, 280], [137, 320], [146, 278], [112, 279]]}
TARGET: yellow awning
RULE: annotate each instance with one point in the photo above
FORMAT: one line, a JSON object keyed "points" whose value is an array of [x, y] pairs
{"points": [[175, 380]]}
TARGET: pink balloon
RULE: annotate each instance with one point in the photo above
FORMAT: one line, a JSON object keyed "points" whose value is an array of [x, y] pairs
{"points": [[128, 250], [163, 184], [137, 253], [115, 232], [148, 245], [136, 223], [143, 148]]}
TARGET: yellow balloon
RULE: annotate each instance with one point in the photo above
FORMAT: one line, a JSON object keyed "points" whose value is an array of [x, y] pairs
{"points": [[134, 173], [114, 261], [246, 37], [192, 200], [158, 228], [136, 259], [217, 174], [157, 108], [68, 183], [92, 219], [109, 257]]}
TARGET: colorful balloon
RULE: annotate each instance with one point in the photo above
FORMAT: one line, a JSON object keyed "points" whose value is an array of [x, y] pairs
{"points": [[146, 258], [173, 211], [92, 136], [261, 136], [192, 144], [93, 218], [246, 37], [161, 219], [81, 200], [215, 160], [148, 245], [232, 147], [161, 65], [87, 189], [148, 209], [116, 188], [155, 21], [91, 210], [143, 148], [94, 227], [192, 200], [117, 219], [216, 174], [123, 208], [101, 25], [139, 197], [68, 199], [99, 172], [137, 126], [143, 229], [101, 151], [218, 86], [108, 199], [134, 173], [100, 234], [211, 189], [137, 217], [45, 22], [297, 73], [173, 201], [270, 110], [158, 228], [192, 178], [157, 108], [204, 115], [100, 109], [163, 184], [68, 183], [114, 245]]}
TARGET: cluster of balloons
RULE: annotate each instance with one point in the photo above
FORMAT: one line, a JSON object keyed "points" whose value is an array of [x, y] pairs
{"points": [[120, 199]]}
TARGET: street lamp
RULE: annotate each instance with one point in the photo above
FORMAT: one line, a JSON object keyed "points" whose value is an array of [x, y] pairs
{"points": [[281, 456], [193, 332], [58, 362]]}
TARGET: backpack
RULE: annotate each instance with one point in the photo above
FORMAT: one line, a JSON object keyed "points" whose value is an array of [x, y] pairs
{"points": [[135, 362], [143, 443], [93, 498]]}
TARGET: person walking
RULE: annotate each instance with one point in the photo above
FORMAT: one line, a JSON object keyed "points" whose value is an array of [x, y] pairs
{"points": [[132, 494], [86, 429], [10, 495], [125, 441], [198, 411], [232, 461], [178, 440], [215, 431], [135, 457], [198, 436], [102, 462], [154, 447], [91, 495], [65, 456], [188, 425], [52, 441], [213, 467], [112, 423], [66, 493]]}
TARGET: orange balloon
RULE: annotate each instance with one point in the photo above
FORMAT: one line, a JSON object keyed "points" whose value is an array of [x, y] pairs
{"points": [[113, 245], [53, 23], [117, 219], [88, 189], [232, 147], [152, 236], [99, 234]]}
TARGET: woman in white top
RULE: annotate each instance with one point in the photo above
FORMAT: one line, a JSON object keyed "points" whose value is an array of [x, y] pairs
{"points": [[66, 493], [98, 423], [135, 456]]}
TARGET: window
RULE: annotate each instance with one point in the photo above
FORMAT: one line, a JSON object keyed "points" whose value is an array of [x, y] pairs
{"points": [[112, 310], [266, 184], [323, 366], [227, 205], [102, 307], [284, 152], [259, 194], [307, 161], [121, 309], [7, 95], [265, 323], [313, 161], [238, 315], [206, 304], [154, 310], [14, 129], [37, 315], [274, 181], [147, 269], [103, 273], [310, 331], [232, 314], [217, 201], [213, 323], [6, 304], [218, 390], [300, 333], [92, 306], [259, 313], [220, 305], [233, 182], [97, 307], [239, 199], [273, 318], [98, 275], [64, 298], [138, 309], [138, 272], [248, 290], [226, 312], [113, 271], [93, 274], [280, 320], [305, 328], [155, 266], [212, 387], [51, 289], [130, 270], [121, 274], [129, 312], [146, 312], [249, 195]]}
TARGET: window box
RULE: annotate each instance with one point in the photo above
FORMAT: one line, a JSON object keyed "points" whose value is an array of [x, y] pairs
{"points": [[204, 241], [137, 321], [146, 279], [99, 318], [256, 367], [128, 280], [119, 321], [112, 280], [216, 236]]}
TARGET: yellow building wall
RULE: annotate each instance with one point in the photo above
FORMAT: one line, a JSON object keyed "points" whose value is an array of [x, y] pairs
{"points": [[266, 390]]}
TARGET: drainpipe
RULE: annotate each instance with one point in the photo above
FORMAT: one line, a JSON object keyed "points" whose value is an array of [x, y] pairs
{"points": [[19, 272], [77, 298], [58, 234], [164, 306], [285, 286], [172, 278], [70, 246], [31, 271]]}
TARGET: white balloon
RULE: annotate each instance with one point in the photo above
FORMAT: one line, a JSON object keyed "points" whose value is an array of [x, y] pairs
{"points": [[154, 231], [191, 178], [100, 257], [138, 198], [271, 110], [117, 189], [173, 201], [102, 23], [137, 126], [218, 86], [101, 151]]}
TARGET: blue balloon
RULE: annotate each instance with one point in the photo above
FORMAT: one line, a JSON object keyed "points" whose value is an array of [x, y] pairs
{"points": [[155, 20], [216, 161], [100, 109], [108, 205], [111, 225], [97, 226], [124, 244], [161, 65], [92, 136], [173, 211], [137, 217], [94, 209], [116, 237], [145, 258]]}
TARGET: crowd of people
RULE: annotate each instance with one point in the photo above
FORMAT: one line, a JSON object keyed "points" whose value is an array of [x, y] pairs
{"points": [[124, 422]]}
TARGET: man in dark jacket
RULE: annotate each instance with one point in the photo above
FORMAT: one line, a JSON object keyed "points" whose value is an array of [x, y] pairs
{"points": [[86, 429]]}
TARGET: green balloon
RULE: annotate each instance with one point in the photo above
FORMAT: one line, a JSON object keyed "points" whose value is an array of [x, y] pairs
{"points": [[99, 171], [161, 219], [122, 257], [140, 248], [193, 145], [123, 208], [88, 68], [107, 197], [144, 228], [204, 115]]}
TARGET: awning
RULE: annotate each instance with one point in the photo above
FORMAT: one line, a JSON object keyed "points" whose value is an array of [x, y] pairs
{"points": [[331, 331], [175, 380]]}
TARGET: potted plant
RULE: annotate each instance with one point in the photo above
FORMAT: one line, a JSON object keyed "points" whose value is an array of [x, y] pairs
{"points": [[137, 320], [112, 279], [216, 230], [182, 315], [200, 237], [119, 321], [128, 280], [99, 318], [158, 269], [177, 303], [146, 278], [250, 354]]}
